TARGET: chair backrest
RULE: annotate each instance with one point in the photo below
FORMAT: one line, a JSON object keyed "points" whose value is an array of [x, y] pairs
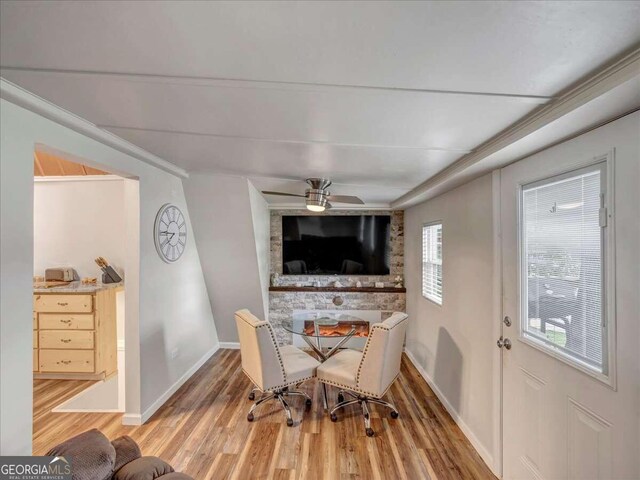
{"points": [[259, 350], [381, 357]]}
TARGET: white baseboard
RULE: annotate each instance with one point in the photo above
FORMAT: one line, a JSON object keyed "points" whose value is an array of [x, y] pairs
{"points": [[480, 448], [129, 419], [230, 345], [132, 419]]}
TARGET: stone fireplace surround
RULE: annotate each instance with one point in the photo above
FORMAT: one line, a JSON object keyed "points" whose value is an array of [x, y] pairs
{"points": [[376, 305]]}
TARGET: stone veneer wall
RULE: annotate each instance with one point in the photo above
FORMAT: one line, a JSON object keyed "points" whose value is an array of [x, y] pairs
{"points": [[396, 242], [283, 304]]}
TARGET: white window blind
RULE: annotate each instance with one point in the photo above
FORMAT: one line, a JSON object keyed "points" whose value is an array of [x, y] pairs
{"points": [[563, 265], [432, 262]]}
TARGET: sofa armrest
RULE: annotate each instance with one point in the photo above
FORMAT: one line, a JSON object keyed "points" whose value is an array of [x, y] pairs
{"points": [[127, 450]]}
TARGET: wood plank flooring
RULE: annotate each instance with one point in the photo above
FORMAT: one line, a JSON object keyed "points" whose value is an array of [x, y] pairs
{"points": [[202, 430]]}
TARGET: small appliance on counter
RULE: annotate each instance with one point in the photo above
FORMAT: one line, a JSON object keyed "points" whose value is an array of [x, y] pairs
{"points": [[59, 274], [109, 275]]}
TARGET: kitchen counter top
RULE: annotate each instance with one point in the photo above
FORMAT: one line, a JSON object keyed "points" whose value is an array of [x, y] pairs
{"points": [[79, 287]]}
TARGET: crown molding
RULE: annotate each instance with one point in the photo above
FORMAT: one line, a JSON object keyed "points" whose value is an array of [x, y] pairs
{"points": [[618, 72], [25, 99]]}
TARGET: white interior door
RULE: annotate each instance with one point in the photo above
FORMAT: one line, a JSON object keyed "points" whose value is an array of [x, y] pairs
{"points": [[571, 383]]}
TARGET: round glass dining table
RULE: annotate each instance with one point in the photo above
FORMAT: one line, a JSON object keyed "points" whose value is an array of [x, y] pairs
{"points": [[313, 327]]}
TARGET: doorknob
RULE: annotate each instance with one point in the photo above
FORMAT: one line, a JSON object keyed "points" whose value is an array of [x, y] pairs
{"points": [[504, 342]]}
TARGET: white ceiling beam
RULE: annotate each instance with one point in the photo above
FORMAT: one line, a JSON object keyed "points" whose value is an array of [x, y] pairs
{"points": [[620, 71], [286, 141], [218, 82]]}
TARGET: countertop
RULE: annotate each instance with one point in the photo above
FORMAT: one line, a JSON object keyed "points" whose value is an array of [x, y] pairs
{"points": [[79, 287]]}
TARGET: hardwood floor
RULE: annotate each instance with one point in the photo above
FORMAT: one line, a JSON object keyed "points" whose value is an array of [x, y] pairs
{"points": [[202, 430]]}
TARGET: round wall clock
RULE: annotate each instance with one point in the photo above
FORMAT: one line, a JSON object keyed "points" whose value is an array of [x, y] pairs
{"points": [[170, 233]]}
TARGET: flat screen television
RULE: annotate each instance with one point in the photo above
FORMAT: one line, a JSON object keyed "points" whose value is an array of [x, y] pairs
{"points": [[336, 244]]}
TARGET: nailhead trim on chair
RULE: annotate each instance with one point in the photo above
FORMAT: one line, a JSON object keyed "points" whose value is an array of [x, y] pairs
{"points": [[288, 384], [377, 326], [266, 323], [358, 390]]}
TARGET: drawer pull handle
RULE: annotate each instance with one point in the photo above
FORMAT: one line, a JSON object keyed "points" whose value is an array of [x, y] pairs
{"points": [[65, 340], [67, 321], [63, 304], [65, 362]]}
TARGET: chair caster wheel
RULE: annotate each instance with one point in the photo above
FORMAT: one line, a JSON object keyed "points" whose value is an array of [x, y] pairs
{"points": [[250, 417], [370, 432], [252, 396], [289, 422], [340, 398], [334, 417], [307, 403], [394, 414]]}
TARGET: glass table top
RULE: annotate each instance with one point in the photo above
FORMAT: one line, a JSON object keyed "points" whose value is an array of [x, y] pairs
{"points": [[323, 324]]}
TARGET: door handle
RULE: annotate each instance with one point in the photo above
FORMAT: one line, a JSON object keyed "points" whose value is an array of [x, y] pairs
{"points": [[504, 342]]}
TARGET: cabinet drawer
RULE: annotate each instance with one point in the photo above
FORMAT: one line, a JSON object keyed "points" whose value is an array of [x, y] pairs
{"points": [[74, 339], [35, 339], [35, 360], [66, 361], [63, 303], [70, 321]]}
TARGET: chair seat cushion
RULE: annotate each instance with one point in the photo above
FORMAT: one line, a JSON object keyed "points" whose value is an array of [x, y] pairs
{"points": [[341, 368], [297, 364]]}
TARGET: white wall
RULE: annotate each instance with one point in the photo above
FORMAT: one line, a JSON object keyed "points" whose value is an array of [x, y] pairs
{"points": [[262, 235], [454, 344], [169, 309], [220, 208], [75, 221]]}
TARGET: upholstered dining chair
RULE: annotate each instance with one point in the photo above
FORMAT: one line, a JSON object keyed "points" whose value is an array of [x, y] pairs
{"points": [[366, 376], [271, 368]]}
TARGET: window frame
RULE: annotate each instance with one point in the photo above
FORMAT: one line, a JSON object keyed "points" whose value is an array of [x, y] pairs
{"points": [[608, 375], [439, 302]]}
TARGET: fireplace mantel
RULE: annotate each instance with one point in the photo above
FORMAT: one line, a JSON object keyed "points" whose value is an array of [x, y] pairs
{"points": [[293, 288]]}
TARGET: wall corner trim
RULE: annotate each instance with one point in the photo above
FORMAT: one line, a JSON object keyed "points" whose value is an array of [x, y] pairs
{"points": [[25, 99], [480, 448], [146, 415]]}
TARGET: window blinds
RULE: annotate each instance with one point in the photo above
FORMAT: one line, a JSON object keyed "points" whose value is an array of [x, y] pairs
{"points": [[562, 244], [432, 262]]}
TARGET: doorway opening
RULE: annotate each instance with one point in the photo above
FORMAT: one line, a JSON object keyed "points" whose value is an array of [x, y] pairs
{"points": [[86, 225]]}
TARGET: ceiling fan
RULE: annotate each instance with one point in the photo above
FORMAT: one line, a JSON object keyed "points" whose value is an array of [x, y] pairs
{"points": [[318, 197]]}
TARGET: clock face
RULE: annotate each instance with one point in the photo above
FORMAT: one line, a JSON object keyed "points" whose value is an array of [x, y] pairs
{"points": [[170, 233]]}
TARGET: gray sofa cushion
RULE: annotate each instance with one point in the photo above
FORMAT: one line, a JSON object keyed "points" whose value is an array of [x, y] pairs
{"points": [[92, 455], [144, 468]]}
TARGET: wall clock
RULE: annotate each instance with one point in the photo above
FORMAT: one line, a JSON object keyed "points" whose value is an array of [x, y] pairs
{"points": [[170, 233]]}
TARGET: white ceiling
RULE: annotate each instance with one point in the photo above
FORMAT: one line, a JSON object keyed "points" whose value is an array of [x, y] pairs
{"points": [[378, 96]]}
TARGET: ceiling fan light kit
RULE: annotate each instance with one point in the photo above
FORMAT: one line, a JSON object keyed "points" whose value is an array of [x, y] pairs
{"points": [[317, 197]]}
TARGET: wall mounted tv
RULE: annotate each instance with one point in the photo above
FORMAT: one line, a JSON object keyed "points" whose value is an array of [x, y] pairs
{"points": [[336, 244]]}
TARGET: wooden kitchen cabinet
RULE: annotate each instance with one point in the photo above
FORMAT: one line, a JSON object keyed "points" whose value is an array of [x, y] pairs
{"points": [[74, 333]]}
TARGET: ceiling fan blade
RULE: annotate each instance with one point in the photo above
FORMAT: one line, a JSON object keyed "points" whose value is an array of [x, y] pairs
{"points": [[344, 199], [283, 194]]}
